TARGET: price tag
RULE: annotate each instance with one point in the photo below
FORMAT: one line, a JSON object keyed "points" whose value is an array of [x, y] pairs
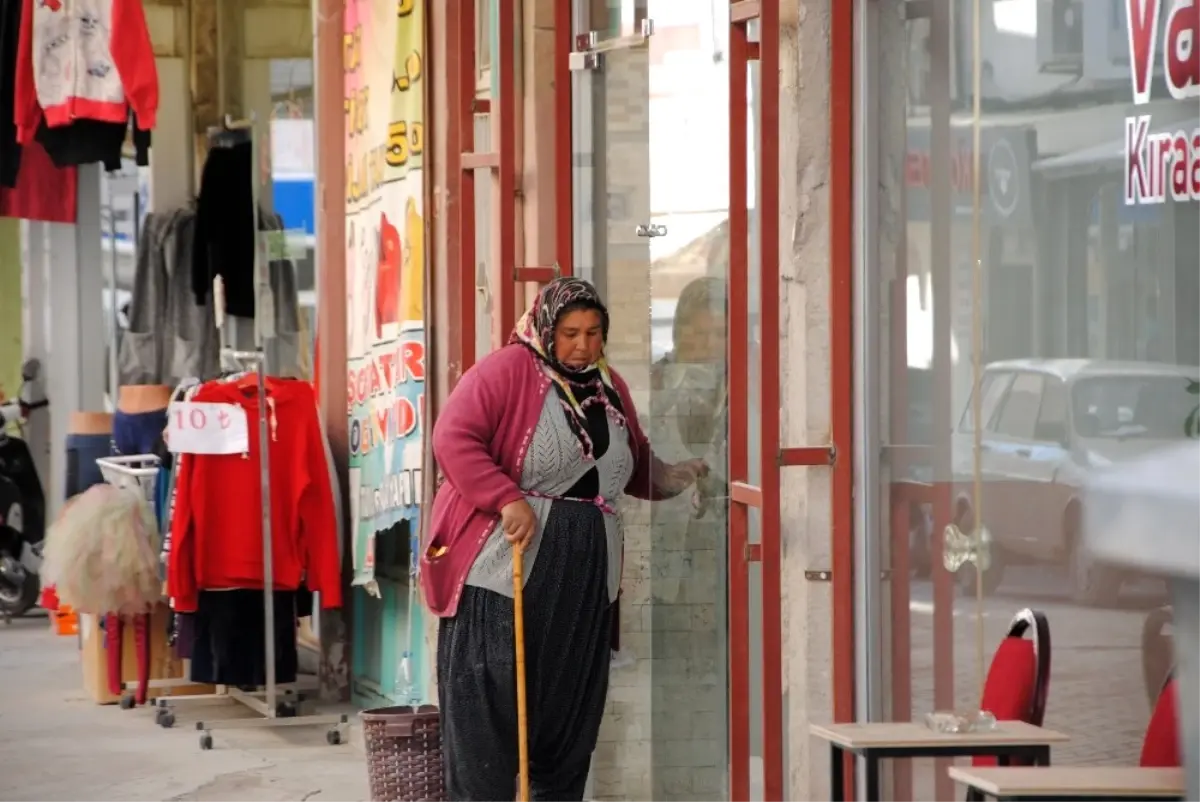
{"points": [[197, 427]]}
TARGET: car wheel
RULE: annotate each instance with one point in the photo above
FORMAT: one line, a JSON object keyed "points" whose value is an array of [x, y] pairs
{"points": [[1093, 584], [968, 576], [920, 559]]}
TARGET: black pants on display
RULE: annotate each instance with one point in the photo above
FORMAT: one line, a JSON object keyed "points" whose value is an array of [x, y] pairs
{"points": [[568, 629], [228, 638]]}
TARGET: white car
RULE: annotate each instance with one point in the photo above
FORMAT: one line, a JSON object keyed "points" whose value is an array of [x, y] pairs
{"points": [[1047, 422]]}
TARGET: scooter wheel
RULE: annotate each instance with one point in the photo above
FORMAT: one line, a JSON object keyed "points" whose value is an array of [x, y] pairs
{"points": [[128, 702], [206, 742]]}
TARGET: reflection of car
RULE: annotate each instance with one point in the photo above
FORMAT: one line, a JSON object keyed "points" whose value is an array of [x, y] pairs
{"points": [[1046, 423]]}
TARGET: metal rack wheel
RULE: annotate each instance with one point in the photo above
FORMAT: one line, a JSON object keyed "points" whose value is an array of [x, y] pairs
{"points": [[333, 737], [206, 742], [165, 719], [128, 702]]}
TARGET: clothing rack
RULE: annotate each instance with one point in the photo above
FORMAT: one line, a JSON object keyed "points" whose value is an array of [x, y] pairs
{"points": [[265, 702]]}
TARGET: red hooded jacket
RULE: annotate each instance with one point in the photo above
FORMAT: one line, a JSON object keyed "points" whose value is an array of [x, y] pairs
{"points": [[216, 531]]}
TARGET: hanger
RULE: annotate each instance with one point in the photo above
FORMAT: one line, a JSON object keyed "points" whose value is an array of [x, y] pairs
{"points": [[230, 133]]}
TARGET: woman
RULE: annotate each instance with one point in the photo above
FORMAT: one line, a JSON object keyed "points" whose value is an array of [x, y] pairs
{"points": [[535, 443], [689, 396]]}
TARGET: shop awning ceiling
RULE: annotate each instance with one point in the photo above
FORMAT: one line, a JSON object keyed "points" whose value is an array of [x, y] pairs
{"points": [[1101, 158]]}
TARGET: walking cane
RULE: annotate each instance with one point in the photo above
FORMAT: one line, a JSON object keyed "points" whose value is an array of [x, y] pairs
{"points": [[519, 637]]}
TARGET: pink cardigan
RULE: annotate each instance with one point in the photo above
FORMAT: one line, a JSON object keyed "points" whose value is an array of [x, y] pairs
{"points": [[479, 441]]}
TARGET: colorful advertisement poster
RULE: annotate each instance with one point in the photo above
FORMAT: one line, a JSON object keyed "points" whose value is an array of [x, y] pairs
{"points": [[385, 266]]}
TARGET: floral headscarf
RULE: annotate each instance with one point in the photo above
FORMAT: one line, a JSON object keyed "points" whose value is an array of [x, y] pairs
{"points": [[535, 330]]}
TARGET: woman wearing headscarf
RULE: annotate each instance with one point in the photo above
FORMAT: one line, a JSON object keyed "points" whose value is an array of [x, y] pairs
{"points": [[536, 444], [690, 396]]}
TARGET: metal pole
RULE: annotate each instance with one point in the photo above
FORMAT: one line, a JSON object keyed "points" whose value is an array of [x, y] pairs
{"points": [[264, 437], [268, 568], [114, 312]]}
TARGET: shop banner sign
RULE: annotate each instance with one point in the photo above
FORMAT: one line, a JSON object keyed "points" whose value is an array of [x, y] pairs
{"points": [[385, 263], [1162, 163]]}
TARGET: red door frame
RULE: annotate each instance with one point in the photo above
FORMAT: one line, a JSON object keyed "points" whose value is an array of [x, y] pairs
{"points": [[504, 109], [464, 161], [774, 456], [742, 494]]}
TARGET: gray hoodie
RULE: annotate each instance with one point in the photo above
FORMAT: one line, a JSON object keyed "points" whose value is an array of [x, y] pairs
{"points": [[170, 337]]}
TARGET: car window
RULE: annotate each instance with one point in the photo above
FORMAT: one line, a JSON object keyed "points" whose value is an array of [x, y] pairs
{"points": [[1123, 407], [1052, 417], [994, 385], [1018, 416]]}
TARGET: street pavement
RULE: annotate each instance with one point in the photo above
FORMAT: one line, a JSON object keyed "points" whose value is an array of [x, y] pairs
{"points": [[56, 744]]}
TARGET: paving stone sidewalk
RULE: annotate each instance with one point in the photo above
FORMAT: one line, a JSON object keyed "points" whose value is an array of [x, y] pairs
{"points": [[55, 744]]}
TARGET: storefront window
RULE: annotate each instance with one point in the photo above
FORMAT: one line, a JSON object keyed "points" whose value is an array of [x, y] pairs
{"points": [[1038, 254], [655, 180]]}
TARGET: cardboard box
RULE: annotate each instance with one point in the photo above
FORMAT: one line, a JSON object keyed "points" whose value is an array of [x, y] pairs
{"points": [[163, 664]]}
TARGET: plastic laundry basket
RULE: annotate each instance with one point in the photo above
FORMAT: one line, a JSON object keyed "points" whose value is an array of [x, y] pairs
{"points": [[404, 754]]}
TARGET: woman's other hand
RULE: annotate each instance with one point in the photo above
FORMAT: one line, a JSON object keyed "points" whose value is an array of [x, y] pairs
{"points": [[682, 475], [519, 523]]}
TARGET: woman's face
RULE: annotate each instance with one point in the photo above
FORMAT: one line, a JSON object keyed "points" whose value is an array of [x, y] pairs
{"points": [[579, 338], [702, 339]]}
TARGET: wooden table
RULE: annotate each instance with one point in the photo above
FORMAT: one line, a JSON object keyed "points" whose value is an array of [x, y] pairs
{"points": [[874, 741], [1072, 782]]}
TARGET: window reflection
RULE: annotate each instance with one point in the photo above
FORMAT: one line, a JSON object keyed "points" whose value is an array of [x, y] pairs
{"points": [[1048, 298]]}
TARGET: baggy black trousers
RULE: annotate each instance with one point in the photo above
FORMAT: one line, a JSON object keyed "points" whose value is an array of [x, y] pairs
{"points": [[568, 627]]}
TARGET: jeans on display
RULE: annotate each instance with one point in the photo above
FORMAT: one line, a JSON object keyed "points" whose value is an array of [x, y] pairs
{"points": [[138, 432], [82, 452]]}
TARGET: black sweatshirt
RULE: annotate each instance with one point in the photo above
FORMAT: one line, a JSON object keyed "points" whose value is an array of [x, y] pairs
{"points": [[224, 241]]}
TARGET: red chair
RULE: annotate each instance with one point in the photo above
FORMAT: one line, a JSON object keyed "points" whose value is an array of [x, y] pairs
{"points": [[1018, 680], [1160, 746]]}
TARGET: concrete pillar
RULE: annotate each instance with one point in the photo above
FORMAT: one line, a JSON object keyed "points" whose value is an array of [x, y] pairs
{"points": [[10, 307], [804, 340], [330, 168], [35, 333], [75, 367], [438, 336], [256, 94], [172, 155]]}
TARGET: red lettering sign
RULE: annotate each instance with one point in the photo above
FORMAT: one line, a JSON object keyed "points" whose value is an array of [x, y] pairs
{"points": [[918, 170], [1180, 47], [1142, 26], [384, 372], [1160, 165], [1181, 51]]}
